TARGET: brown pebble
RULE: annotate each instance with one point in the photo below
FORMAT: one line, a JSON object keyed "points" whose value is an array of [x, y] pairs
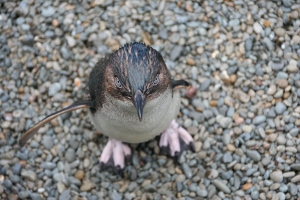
{"points": [[239, 120], [282, 83], [2, 137], [258, 82], [190, 61], [77, 82], [23, 163], [55, 22], [213, 103], [79, 174], [232, 78], [267, 23], [247, 186], [189, 8], [190, 92], [286, 95], [231, 147]]}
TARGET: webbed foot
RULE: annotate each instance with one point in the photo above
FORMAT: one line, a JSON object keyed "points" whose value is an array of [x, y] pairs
{"points": [[175, 140], [114, 156]]}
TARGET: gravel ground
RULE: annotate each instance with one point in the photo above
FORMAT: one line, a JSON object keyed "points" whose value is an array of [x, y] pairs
{"points": [[241, 56]]}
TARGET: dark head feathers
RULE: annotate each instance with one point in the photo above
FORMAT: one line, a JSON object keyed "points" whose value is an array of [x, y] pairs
{"points": [[136, 64]]}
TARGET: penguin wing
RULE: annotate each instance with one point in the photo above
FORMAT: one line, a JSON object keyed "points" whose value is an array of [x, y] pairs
{"points": [[76, 105]]}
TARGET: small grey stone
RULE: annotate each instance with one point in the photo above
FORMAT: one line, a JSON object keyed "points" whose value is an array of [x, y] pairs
{"points": [[23, 194], [48, 12], [225, 122], [227, 175], [35, 196], [28, 40], [47, 142], [1, 189], [280, 108], [255, 194], [292, 189], [16, 168], [227, 158], [28, 174], [230, 112], [221, 186], [175, 53], [70, 155], [295, 166], [71, 41], [249, 44], [226, 138], [268, 43], [254, 155], [163, 34], [251, 171], [132, 186], [66, 194], [187, 170], [283, 188], [48, 165], [276, 176], [7, 183], [287, 3], [115, 195], [257, 28], [15, 178], [234, 22], [174, 37], [204, 86], [202, 193], [259, 119], [54, 88], [276, 65]]}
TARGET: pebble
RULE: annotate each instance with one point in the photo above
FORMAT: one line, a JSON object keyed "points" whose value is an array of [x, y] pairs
{"points": [[28, 174], [254, 155], [16, 168], [87, 186], [295, 179], [54, 88], [204, 86], [276, 176], [221, 186], [48, 12], [225, 122], [187, 171], [175, 53], [70, 155], [65, 195], [280, 108], [292, 67], [47, 142], [259, 119], [257, 28]]}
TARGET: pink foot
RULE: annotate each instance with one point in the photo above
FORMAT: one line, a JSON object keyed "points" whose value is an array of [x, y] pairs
{"points": [[114, 155], [174, 140]]}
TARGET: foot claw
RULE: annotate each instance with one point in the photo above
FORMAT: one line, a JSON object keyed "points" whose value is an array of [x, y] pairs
{"points": [[164, 150], [175, 140]]}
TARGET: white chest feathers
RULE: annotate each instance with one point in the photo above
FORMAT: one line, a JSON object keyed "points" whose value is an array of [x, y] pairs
{"points": [[119, 120]]}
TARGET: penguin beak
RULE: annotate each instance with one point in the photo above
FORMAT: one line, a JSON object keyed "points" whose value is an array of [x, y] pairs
{"points": [[139, 102]]}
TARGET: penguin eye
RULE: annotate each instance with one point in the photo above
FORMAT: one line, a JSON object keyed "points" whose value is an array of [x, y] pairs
{"points": [[118, 83], [156, 81]]}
